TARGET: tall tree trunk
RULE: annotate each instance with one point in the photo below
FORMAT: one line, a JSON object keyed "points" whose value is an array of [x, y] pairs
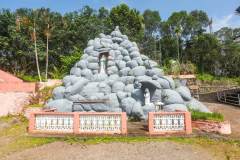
{"points": [[46, 72], [36, 53], [178, 49]]}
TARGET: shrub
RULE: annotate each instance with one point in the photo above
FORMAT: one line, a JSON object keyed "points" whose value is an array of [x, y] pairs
{"points": [[188, 68], [41, 97]]}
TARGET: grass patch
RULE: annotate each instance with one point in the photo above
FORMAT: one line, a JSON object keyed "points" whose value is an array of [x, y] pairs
{"points": [[14, 137], [197, 115], [34, 106]]}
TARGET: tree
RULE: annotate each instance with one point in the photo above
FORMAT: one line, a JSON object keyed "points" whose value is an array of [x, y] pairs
{"points": [[151, 42], [199, 22], [129, 20], [204, 50], [36, 52], [237, 11], [152, 21]]}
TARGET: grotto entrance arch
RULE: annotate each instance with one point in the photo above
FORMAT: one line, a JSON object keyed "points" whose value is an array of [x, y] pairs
{"points": [[103, 62]]}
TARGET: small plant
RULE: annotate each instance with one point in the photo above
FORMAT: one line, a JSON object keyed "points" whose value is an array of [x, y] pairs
{"points": [[41, 97], [197, 115]]}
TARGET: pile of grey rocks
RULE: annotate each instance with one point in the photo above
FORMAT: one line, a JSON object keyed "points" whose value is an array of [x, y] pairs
{"points": [[120, 87]]}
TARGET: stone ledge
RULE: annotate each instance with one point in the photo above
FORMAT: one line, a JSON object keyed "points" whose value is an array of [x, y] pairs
{"points": [[213, 126]]}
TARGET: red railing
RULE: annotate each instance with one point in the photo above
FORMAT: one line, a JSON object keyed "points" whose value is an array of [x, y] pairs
{"points": [[78, 123], [169, 122]]}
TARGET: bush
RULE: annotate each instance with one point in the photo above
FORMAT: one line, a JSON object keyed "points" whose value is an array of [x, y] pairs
{"points": [[41, 97], [68, 61], [188, 68], [197, 115], [205, 77], [174, 67]]}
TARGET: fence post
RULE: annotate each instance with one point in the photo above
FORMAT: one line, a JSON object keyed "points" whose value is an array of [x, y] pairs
{"points": [[150, 122], [124, 122], [188, 122], [31, 125], [76, 122]]}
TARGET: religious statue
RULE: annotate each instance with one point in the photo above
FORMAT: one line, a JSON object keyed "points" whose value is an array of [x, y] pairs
{"points": [[103, 61], [147, 96]]}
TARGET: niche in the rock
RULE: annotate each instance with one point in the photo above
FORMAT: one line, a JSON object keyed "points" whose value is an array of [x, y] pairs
{"points": [[103, 59], [148, 90]]}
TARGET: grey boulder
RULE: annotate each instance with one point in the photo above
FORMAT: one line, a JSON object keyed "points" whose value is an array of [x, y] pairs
{"points": [[117, 86], [196, 105], [58, 92], [61, 105], [175, 107], [139, 71], [171, 97], [127, 105], [184, 92]]}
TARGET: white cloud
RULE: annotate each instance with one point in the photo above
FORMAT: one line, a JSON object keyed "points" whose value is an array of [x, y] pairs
{"points": [[230, 20]]}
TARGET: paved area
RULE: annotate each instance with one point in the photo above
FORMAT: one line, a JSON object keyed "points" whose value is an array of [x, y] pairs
{"points": [[12, 102], [115, 151]]}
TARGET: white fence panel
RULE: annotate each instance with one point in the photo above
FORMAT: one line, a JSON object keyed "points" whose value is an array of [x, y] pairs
{"points": [[100, 123], [54, 123]]}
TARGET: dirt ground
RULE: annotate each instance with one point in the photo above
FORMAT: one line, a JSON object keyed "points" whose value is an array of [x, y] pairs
{"points": [[115, 151], [231, 113]]}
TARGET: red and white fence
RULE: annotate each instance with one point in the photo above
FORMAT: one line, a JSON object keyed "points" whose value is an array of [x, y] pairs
{"points": [[78, 123], [169, 122]]}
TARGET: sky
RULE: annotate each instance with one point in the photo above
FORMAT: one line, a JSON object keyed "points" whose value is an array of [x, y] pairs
{"points": [[221, 11]]}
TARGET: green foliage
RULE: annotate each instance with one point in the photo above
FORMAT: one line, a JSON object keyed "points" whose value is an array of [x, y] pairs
{"points": [[68, 61], [205, 77], [28, 78], [175, 68], [129, 20], [197, 115], [188, 68], [210, 79]]}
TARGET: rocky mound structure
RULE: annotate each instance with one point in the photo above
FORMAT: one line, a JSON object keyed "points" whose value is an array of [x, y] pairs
{"points": [[113, 76]]}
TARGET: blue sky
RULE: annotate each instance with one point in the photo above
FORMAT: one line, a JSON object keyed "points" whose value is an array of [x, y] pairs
{"points": [[222, 11]]}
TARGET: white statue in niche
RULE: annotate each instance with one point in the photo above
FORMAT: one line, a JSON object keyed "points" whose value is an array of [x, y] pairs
{"points": [[103, 61], [147, 96]]}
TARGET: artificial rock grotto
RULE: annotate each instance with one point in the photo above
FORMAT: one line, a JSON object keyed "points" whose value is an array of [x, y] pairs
{"points": [[112, 76]]}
